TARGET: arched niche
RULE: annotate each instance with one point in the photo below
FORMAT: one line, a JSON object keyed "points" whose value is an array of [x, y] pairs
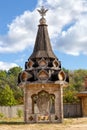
{"points": [[43, 103]]}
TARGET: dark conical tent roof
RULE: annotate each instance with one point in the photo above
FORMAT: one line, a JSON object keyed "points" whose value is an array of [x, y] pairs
{"points": [[42, 66], [42, 46]]}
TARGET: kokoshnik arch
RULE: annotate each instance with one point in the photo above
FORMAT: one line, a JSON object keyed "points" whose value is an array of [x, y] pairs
{"points": [[43, 80]]}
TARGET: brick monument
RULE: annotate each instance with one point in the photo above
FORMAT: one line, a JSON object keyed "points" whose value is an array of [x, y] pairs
{"points": [[43, 80]]}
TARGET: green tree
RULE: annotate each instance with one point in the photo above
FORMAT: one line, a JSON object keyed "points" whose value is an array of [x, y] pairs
{"points": [[18, 94], [15, 71], [3, 77], [7, 97], [3, 74], [70, 95], [13, 76], [13, 81], [76, 81], [10, 78]]}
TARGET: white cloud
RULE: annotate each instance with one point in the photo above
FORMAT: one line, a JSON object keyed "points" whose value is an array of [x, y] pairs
{"points": [[67, 27], [74, 40], [6, 65], [21, 33]]}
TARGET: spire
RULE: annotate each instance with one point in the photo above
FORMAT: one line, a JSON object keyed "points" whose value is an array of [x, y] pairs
{"points": [[42, 46]]}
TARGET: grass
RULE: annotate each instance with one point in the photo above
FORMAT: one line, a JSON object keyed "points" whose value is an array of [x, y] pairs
{"points": [[11, 120]]}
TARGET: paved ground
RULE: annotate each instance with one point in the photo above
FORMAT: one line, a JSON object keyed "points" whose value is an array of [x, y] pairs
{"points": [[68, 124]]}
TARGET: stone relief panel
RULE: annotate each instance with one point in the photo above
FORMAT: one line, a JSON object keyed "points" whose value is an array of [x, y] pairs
{"points": [[43, 103]]}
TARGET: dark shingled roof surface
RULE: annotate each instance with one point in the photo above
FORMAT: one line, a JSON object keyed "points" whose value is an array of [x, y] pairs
{"points": [[42, 46]]}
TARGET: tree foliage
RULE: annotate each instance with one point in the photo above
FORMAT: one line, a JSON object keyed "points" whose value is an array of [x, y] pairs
{"points": [[7, 97], [9, 78], [76, 85]]}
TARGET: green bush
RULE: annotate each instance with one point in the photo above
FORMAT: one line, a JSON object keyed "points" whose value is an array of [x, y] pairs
{"points": [[19, 113], [1, 115]]}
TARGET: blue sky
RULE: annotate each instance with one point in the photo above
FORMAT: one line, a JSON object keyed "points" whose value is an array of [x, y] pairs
{"points": [[67, 26]]}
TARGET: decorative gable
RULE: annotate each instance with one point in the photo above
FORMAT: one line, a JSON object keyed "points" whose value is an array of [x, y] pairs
{"points": [[30, 63], [43, 75], [24, 76], [61, 76], [55, 63], [42, 62]]}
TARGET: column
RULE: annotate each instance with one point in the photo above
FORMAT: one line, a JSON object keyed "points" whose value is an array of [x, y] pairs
{"points": [[61, 103]]}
